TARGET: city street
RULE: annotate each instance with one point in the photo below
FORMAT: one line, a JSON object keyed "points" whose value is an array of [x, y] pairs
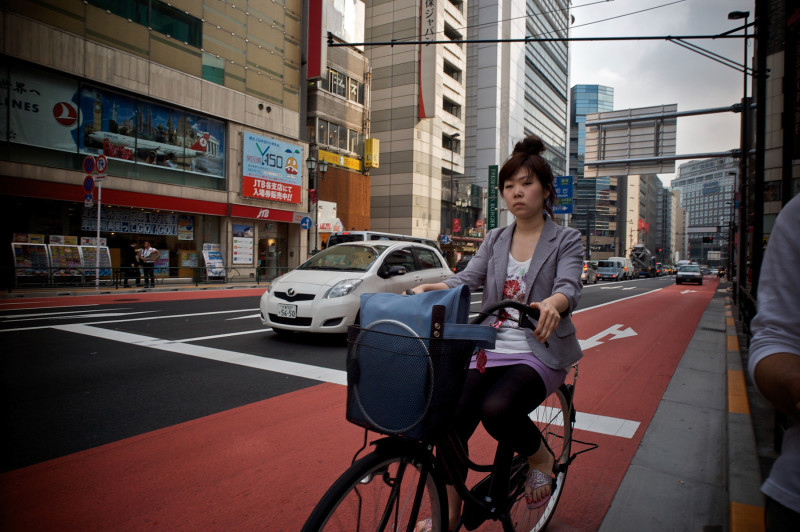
{"points": [[180, 411]]}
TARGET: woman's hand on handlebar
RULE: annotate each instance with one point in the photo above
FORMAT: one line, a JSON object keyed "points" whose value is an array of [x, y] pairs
{"points": [[549, 316], [426, 288]]}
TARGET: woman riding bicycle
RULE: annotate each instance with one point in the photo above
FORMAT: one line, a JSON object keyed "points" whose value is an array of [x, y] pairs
{"points": [[534, 261]]}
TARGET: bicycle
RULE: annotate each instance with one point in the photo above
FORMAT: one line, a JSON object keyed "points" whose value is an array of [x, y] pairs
{"points": [[402, 481]]}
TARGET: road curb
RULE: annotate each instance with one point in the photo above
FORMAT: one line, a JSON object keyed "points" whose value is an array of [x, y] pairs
{"points": [[745, 500]]}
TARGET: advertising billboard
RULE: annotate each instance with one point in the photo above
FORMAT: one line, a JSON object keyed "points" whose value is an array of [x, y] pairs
{"points": [[271, 169]]}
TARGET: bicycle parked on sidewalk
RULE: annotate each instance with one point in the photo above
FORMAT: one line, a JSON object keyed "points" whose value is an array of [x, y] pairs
{"points": [[402, 480]]}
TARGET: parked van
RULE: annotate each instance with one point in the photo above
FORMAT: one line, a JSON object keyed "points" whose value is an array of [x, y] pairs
{"points": [[629, 273], [360, 236], [611, 269]]}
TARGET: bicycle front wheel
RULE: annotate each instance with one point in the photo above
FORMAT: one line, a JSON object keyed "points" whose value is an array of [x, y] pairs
{"points": [[389, 489], [553, 419]]}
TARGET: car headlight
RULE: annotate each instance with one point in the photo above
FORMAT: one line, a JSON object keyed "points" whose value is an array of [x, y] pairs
{"points": [[342, 288]]}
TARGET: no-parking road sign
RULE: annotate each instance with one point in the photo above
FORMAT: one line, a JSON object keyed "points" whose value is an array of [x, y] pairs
{"points": [[89, 164]]}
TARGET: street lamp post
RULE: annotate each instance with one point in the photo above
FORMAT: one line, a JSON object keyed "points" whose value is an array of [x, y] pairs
{"points": [[311, 164], [452, 180], [745, 148]]}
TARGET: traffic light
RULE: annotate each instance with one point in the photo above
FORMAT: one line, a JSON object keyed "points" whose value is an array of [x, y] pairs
{"points": [[708, 239]]}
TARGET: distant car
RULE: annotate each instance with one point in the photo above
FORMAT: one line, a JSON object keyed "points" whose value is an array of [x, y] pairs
{"points": [[462, 263], [689, 273], [323, 295], [589, 273], [613, 270]]}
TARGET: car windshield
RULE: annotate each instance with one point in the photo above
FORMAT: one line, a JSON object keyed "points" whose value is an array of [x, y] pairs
{"points": [[689, 268], [606, 264], [345, 258]]}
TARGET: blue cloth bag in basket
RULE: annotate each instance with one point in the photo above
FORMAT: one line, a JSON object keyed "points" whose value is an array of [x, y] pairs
{"points": [[407, 361]]}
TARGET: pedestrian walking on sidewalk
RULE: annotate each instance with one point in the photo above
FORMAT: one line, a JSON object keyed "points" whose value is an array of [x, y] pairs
{"points": [[775, 364], [129, 263], [148, 256]]}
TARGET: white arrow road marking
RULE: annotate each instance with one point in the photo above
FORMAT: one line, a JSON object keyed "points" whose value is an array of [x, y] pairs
{"points": [[614, 330], [590, 422], [610, 287], [630, 288], [687, 291]]}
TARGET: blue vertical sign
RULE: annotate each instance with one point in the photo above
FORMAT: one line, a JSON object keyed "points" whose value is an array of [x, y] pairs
{"points": [[563, 186]]}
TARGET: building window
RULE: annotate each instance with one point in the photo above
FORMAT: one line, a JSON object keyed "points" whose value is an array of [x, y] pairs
{"points": [[451, 143], [451, 33], [213, 68], [333, 135], [458, 4], [451, 107], [337, 83], [159, 16], [452, 71]]}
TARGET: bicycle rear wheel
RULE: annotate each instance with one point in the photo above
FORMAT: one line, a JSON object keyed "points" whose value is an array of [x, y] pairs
{"points": [[389, 489], [553, 419]]}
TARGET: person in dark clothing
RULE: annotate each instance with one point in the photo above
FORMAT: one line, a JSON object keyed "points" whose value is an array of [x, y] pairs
{"points": [[129, 263]]}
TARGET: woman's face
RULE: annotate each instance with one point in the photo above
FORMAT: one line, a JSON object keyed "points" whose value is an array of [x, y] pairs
{"points": [[524, 194]]}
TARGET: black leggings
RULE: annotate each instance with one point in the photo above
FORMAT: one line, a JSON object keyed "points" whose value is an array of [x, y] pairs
{"points": [[501, 398]]}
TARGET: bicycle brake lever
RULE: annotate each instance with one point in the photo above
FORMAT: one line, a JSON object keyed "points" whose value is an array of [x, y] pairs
{"points": [[529, 324]]}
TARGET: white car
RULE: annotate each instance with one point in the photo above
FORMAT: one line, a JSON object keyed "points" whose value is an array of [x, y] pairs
{"points": [[324, 293]]}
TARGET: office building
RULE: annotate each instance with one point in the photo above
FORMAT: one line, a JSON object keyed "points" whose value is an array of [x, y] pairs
{"points": [[193, 105], [707, 194], [591, 193]]}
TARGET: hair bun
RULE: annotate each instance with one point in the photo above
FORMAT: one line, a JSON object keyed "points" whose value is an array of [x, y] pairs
{"points": [[530, 145]]}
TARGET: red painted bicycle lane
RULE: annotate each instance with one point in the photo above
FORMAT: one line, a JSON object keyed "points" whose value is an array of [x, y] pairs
{"points": [[264, 466], [624, 379]]}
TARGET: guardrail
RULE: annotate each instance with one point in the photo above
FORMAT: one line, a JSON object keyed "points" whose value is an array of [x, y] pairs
{"points": [[24, 277]]}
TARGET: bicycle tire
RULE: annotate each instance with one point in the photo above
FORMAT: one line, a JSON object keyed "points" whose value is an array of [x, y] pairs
{"points": [[361, 499], [553, 418]]}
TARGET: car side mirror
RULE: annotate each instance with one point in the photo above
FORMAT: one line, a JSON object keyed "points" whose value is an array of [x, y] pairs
{"points": [[384, 273]]}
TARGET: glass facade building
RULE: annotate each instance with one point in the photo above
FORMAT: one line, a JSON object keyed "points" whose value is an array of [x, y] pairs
{"points": [[707, 190], [595, 203]]}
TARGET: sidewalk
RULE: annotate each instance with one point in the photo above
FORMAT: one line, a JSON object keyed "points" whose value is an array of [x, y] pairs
{"points": [[697, 467]]}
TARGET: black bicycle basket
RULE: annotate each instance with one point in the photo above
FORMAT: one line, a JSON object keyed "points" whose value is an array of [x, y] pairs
{"points": [[402, 384]]}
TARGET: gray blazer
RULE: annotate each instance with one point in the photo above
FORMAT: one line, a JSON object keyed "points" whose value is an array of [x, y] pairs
{"points": [[556, 267]]}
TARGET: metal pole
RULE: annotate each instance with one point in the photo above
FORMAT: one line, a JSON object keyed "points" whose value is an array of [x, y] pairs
{"points": [[97, 237], [316, 211], [741, 270]]}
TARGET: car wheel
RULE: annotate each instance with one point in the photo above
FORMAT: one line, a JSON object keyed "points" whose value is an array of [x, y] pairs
{"points": [[595, 280], [677, 281]]}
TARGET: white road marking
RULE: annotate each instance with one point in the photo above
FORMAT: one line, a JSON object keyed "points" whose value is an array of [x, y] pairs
{"points": [[160, 317], [615, 330], [251, 316], [220, 355], [200, 338], [612, 426]]}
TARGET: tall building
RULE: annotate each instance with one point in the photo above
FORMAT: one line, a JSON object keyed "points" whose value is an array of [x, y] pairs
{"points": [[516, 88], [336, 115], [591, 193], [433, 175], [707, 195], [195, 109]]}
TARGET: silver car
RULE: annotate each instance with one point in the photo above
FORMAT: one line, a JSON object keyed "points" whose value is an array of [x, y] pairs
{"points": [[324, 293], [689, 273]]}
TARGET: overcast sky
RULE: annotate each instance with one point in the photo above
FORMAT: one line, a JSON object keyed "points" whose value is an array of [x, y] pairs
{"points": [[645, 73]]}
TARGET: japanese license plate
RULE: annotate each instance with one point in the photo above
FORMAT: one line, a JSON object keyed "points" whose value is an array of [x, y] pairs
{"points": [[287, 311]]}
